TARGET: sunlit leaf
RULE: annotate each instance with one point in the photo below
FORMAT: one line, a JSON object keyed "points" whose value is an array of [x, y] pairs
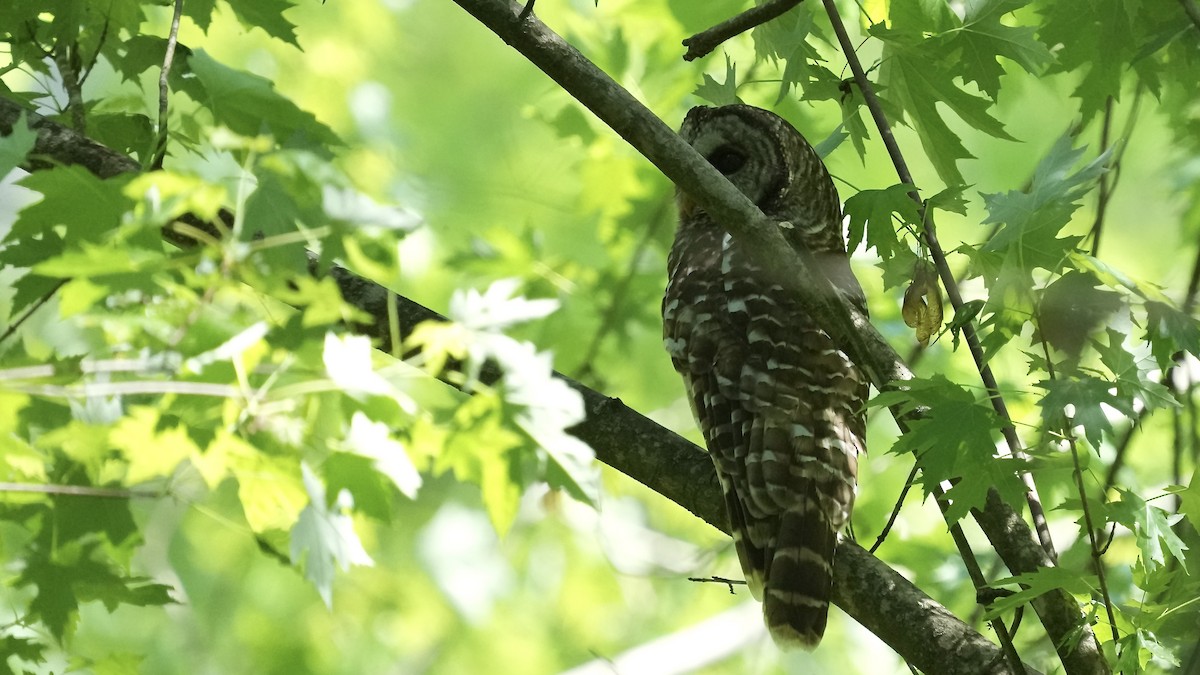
{"points": [[496, 308], [324, 536], [348, 363], [72, 197], [267, 15], [373, 440], [983, 37], [150, 451]]}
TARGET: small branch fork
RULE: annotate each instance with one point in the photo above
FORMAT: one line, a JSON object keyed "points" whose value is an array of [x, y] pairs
{"points": [[979, 581]]}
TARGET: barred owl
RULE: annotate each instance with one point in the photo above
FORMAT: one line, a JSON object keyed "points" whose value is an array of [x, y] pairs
{"points": [[779, 403]]}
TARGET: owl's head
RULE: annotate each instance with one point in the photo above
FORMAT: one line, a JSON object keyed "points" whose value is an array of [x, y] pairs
{"points": [[765, 157]]}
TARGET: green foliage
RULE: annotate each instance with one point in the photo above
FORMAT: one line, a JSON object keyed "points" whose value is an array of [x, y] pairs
{"points": [[720, 93], [203, 428], [954, 440]]}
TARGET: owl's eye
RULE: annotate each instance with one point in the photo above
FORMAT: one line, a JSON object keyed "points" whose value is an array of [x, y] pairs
{"points": [[727, 160]]}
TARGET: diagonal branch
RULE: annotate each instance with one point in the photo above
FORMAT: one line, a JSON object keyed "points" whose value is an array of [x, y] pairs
{"points": [[922, 631], [792, 269]]}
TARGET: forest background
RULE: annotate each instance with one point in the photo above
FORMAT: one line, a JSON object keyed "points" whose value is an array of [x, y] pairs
{"points": [[206, 467]]}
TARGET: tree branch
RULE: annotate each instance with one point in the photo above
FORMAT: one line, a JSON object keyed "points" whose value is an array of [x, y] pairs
{"points": [[795, 270], [159, 152], [701, 44], [921, 630]]}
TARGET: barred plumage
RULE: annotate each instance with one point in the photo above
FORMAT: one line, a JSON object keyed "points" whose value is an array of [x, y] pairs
{"points": [[779, 404]]}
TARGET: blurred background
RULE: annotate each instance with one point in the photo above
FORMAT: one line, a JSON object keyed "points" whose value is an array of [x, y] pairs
{"points": [[509, 177]]}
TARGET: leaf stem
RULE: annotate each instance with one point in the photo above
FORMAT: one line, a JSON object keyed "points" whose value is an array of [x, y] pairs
{"points": [[1097, 556]]}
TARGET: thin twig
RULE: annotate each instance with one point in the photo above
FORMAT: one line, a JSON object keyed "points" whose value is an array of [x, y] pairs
{"points": [[160, 144], [1109, 179], [1193, 289], [79, 491], [87, 70], [1194, 436], [33, 308], [33, 40], [701, 44], [1036, 512], [1178, 447], [718, 580], [1102, 201], [887, 527], [1097, 558]]}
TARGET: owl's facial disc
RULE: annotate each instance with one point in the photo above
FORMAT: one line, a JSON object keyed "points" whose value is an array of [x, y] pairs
{"points": [[742, 150]]}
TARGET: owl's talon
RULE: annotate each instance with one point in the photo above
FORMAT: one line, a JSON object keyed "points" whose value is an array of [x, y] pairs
{"points": [[526, 11]]}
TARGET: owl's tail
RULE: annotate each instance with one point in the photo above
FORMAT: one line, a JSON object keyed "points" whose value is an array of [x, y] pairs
{"points": [[800, 577]]}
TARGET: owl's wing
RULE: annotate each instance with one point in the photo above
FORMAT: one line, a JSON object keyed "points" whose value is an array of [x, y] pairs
{"points": [[780, 415]]}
